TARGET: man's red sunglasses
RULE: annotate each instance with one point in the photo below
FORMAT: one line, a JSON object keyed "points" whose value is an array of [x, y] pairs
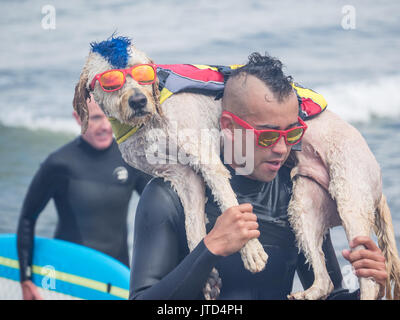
{"points": [[113, 80], [270, 137]]}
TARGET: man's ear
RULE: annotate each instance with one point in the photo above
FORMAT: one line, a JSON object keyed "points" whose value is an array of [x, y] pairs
{"points": [[227, 129], [226, 122], [80, 101], [77, 118]]}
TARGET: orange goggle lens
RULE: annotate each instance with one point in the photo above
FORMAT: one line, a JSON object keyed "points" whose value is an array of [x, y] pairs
{"points": [[112, 80], [143, 74]]}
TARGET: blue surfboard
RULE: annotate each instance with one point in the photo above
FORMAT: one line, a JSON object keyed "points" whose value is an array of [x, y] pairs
{"points": [[67, 269]]}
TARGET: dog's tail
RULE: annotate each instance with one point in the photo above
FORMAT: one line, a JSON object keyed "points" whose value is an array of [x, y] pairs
{"points": [[387, 243]]}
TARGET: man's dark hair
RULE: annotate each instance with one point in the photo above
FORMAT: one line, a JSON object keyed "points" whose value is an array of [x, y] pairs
{"points": [[268, 70]]}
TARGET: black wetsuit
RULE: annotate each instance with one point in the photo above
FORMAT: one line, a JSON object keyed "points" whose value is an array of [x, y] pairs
{"points": [[91, 189], [163, 268]]}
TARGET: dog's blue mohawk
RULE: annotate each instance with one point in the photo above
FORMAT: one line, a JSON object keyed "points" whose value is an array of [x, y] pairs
{"points": [[114, 49]]}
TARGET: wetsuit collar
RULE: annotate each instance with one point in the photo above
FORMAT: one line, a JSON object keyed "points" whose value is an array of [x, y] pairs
{"points": [[90, 149], [243, 185]]}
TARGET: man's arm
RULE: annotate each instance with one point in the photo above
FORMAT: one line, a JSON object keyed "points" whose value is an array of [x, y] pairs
{"points": [[162, 267], [39, 193], [141, 181]]}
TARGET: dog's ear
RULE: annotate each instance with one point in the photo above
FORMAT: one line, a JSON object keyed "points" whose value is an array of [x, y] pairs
{"points": [[157, 95], [80, 101]]}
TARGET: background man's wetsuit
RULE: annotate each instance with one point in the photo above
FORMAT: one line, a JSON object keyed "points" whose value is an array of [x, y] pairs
{"points": [[91, 189], [163, 268]]}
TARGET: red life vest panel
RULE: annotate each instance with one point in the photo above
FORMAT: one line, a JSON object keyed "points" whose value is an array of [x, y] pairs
{"points": [[312, 103], [176, 78]]}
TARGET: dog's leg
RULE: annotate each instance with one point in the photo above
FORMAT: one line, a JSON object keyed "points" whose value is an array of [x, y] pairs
{"points": [[204, 158], [191, 191], [354, 187], [356, 223], [308, 212], [217, 178]]}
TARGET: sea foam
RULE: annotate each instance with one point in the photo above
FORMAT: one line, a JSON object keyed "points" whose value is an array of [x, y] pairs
{"points": [[355, 102], [365, 100]]}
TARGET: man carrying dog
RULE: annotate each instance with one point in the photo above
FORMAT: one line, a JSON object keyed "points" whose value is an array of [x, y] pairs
{"points": [[91, 186], [260, 96]]}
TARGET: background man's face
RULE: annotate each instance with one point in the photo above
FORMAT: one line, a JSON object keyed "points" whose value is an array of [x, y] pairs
{"points": [[260, 109], [99, 132]]}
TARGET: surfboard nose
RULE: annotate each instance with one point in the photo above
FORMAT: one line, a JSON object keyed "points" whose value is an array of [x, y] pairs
{"points": [[63, 270]]}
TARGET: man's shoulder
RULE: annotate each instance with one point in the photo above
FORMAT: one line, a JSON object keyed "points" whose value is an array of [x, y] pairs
{"points": [[159, 202], [284, 173], [60, 157], [286, 181], [63, 151], [161, 191]]}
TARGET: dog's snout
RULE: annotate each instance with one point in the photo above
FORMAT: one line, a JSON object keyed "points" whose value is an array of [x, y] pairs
{"points": [[137, 101]]}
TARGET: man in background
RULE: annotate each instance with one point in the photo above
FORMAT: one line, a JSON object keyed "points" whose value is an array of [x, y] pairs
{"points": [[91, 186]]}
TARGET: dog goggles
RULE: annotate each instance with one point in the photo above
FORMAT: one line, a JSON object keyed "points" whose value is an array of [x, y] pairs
{"points": [[113, 80], [270, 137]]}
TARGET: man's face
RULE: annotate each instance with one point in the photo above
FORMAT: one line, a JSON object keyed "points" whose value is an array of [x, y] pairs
{"points": [[258, 107], [99, 132]]}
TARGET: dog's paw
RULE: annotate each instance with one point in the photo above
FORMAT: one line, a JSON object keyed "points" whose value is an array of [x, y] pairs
{"points": [[213, 286], [253, 255], [369, 289], [315, 292]]}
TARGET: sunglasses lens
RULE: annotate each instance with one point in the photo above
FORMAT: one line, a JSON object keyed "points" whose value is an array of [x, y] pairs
{"points": [[268, 138], [143, 74], [112, 80], [294, 136]]}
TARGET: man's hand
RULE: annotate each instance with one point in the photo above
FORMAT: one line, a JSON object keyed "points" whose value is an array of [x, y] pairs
{"points": [[368, 262], [233, 228], [30, 291]]}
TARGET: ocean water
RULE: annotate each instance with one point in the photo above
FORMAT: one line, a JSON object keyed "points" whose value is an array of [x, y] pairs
{"points": [[347, 52]]}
